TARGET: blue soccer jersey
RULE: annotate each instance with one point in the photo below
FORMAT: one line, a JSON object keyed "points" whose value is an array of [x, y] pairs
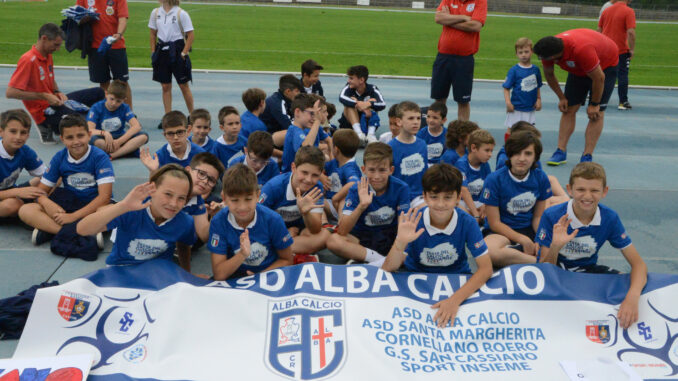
{"points": [[473, 177], [227, 152], [451, 156], [138, 238], [501, 159], [250, 123], [410, 162], [442, 251], [435, 144], [267, 233], [340, 176], [270, 171], [583, 249], [11, 166], [278, 195], [111, 121], [516, 198], [524, 83], [293, 139], [207, 145], [195, 206], [384, 210], [82, 176], [167, 156]]}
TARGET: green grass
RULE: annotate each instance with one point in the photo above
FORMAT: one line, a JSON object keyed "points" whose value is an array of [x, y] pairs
{"points": [[279, 38]]}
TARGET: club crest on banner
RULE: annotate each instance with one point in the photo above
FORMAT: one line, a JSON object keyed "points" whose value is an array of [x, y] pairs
{"points": [[601, 331], [306, 337], [73, 306]]}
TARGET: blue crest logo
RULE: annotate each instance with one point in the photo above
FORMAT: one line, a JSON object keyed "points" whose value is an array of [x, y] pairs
{"points": [[306, 337]]}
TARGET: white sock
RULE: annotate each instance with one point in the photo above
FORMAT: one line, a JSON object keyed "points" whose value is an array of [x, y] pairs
{"points": [[372, 256], [357, 129], [378, 263], [371, 130]]}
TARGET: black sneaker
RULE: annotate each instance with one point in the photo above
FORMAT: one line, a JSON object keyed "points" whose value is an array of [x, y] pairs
{"points": [[45, 134], [39, 237], [624, 106]]}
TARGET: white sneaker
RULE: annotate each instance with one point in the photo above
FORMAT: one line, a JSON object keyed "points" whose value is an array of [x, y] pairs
{"points": [[371, 139], [363, 139], [100, 241]]}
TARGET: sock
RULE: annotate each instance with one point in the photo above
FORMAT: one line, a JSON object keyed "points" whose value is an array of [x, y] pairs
{"points": [[378, 263], [357, 129], [372, 256], [371, 130]]}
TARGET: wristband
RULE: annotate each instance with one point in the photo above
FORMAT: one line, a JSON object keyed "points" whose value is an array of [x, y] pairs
{"points": [[592, 103]]}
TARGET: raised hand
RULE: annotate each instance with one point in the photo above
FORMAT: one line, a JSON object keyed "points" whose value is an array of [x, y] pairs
{"points": [[308, 201], [245, 244], [560, 236], [407, 227], [150, 161], [364, 194], [135, 199]]}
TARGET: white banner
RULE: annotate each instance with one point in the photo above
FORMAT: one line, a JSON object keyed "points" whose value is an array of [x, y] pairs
{"points": [[315, 321]]}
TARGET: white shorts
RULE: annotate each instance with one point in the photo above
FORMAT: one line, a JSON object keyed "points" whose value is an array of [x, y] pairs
{"points": [[517, 116]]}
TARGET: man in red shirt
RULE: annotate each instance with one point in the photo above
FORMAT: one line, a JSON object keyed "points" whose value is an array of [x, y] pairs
{"points": [[462, 21], [33, 82], [619, 23], [112, 22], [590, 59]]}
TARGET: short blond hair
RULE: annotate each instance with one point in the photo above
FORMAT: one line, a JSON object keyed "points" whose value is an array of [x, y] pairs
{"points": [[523, 42]]}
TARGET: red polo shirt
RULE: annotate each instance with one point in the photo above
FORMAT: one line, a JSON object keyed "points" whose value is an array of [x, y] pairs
{"points": [[583, 50], [615, 22], [455, 41], [109, 12], [34, 73]]}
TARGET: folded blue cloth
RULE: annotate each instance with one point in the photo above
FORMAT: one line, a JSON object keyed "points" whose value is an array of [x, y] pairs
{"points": [[105, 45], [78, 13]]}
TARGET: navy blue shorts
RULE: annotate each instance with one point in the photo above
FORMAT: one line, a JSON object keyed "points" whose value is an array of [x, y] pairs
{"points": [[527, 231], [164, 68], [67, 200], [456, 71], [85, 96], [578, 88], [379, 241], [101, 67]]}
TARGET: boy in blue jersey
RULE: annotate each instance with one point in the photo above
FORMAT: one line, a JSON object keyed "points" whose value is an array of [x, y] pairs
{"points": [[205, 170], [108, 119], [310, 77], [410, 152], [434, 134], [246, 237], [342, 171], [258, 157], [15, 155], [371, 210], [87, 177], [360, 99], [178, 150], [571, 234], [254, 100], [297, 197], [230, 145], [277, 114], [521, 87], [305, 130], [435, 240], [515, 197], [393, 127], [475, 168], [200, 123]]}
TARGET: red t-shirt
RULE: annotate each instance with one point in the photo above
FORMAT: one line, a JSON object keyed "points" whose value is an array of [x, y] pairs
{"points": [[583, 50], [109, 13], [34, 73], [455, 41], [615, 22]]}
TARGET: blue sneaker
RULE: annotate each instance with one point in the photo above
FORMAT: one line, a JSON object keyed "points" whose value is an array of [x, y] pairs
{"points": [[559, 157], [586, 158]]}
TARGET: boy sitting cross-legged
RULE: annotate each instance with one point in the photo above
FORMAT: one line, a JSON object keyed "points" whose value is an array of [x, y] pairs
{"points": [[435, 239], [572, 233], [246, 237], [87, 177], [371, 209], [108, 120], [298, 197], [178, 150]]}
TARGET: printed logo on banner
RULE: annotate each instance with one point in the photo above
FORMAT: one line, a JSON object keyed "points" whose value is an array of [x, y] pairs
{"points": [[73, 306], [598, 331], [644, 331], [136, 354], [306, 337]]}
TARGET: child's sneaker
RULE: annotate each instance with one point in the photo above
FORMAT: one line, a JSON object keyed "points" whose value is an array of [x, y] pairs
{"points": [[100, 241], [559, 157], [586, 158], [45, 135], [371, 139], [624, 106], [39, 237], [303, 258]]}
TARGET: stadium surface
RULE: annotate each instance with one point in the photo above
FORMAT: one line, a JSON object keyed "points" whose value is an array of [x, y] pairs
{"points": [[637, 149]]}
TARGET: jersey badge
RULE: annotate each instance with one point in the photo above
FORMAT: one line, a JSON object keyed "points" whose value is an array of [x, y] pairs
{"points": [[470, 7], [109, 10]]}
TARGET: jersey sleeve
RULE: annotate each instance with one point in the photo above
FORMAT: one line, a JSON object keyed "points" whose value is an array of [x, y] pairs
{"points": [[442, 3], [52, 173], [152, 22], [279, 113], [94, 115], [352, 201], [188, 236], [586, 57], [544, 234], [186, 21], [104, 170], [403, 200], [322, 135], [122, 10], [537, 72], [218, 244], [630, 20], [379, 104], [480, 11], [547, 63], [121, 220], [32, 162], [510, 78], [352, 175], [281, 238], [474, 238], [490, 194], [345, 99], [267, 196], [618, 237], [298, 137], [128, 114], [22, 75], [545, 191]]}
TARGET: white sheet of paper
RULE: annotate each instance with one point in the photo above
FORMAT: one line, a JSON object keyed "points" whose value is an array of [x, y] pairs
{"points": [[81, 363], [600, 369]]}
